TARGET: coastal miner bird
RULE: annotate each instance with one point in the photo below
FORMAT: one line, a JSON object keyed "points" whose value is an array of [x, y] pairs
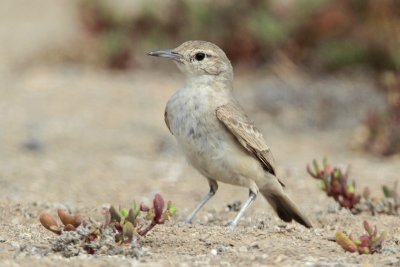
{"points": [[216, 135]]}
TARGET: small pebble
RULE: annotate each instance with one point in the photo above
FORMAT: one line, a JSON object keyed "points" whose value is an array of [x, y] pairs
{"points": [[221, 249], [242, 249], [214, 252], [14, 244], [255, 245]]}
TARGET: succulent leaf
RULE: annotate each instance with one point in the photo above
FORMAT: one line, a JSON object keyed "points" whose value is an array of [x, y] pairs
{"points": [[68, 218], [49, 223], [128, 231], [316, 167], [131, 217], [115, 217], [69, 227], [368, 228], [387, 192], [124, 212], [158, 204], [172, 209], [144, 207], [345, 242]]}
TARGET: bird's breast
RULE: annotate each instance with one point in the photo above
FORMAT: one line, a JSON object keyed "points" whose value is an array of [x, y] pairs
{"points": [[193, 121], [205, 141], [192, 117]]}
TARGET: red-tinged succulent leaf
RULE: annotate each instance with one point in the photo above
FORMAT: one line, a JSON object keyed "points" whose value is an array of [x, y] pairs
{"points": [[107, 219], [350, 190], [118, 238], [345, 242], [357, 199], [345, 203], [131, 216], [128, 231], [316, 167], [50, 223], [146, 229], [158, 203], [150, 215], [118, 226], [162, 219], [336, 188], [69, 227], [366, 193], [347, 172], [337, 173], [144, 207], [136, 208], [370, 243], [363, 250], [55, 229], [115, 217], [91, 237], [310, 172], [65, 217], [329, 169], [377, 241], [365, 241], [97, 232], [77, 220], [368, 228], [324, 162], [375, 233], [90, 250], [336, 185], [395, 194]]}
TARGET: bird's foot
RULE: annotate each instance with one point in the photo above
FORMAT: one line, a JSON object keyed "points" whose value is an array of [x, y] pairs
{"points": [[230, 226], [188, 221]]}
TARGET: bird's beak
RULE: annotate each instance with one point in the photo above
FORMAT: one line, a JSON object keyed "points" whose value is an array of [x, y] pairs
{"points": [[171, 54]]}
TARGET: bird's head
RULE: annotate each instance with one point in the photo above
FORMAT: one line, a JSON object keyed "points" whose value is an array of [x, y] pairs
{"points": [[199, 58]]}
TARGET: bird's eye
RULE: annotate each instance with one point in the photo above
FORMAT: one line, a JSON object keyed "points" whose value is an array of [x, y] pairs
{"points": [[200, 56]]}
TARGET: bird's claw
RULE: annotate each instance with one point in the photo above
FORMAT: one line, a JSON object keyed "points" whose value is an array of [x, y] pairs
{"points": [[188, 221], [230, 226]]}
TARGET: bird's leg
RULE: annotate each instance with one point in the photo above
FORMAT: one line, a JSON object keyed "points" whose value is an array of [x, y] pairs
{"points": [[250, 200], [213, 189]]}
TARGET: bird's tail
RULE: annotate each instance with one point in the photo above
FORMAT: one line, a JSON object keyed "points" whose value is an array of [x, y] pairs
{"points": [[282, 204]]}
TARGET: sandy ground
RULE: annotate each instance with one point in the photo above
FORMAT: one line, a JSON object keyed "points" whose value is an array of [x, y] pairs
{"points": [[80, 138]]}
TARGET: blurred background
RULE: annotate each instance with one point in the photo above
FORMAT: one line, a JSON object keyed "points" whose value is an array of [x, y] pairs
{"points": [[82, 105]]}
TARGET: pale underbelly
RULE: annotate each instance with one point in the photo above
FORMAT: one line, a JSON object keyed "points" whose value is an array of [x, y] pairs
{"points": [[208, 145], [218, 156]]}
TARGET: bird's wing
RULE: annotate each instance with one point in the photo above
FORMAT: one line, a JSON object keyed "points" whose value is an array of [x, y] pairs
{"points": [[234, 118], [166, 120]]}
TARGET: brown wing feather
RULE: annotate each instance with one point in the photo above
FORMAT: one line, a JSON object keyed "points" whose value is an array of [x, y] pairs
{"points": [[234, 118]]}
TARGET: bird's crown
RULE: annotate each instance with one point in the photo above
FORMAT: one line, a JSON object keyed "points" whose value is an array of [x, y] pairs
{"points": [[196, 58]]}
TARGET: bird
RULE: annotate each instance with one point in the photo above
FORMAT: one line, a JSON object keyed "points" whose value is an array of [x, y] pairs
{"points": [[217, 136]]}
